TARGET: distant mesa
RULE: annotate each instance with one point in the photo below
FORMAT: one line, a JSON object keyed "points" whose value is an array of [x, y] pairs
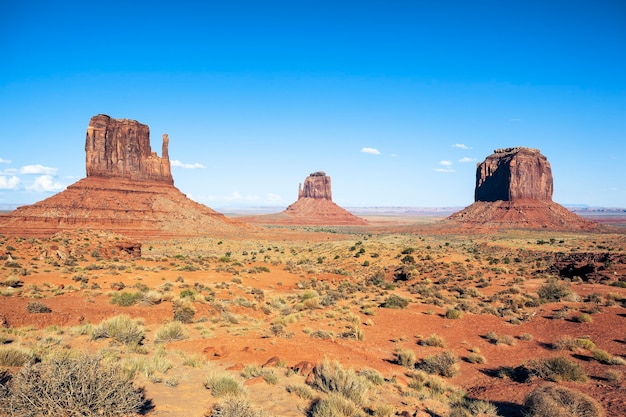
{"points": [[128, 190], [514, 190], [314, 206]]}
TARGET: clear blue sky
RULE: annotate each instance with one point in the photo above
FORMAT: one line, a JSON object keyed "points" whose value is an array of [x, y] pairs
{"points": [[396, 100]]}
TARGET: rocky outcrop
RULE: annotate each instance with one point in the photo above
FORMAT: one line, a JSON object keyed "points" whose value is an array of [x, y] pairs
{"points": [[313, 207], [514, 190], [121, 148], [128, 190], [316, 185], [514, 174]]}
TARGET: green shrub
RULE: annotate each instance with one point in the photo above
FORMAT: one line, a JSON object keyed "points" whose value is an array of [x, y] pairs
{"points": [[557, 401], [601, 356], [444, 364], [395, 301], [557, 369], [170, 332], [332, 378], [583, 318], [73, 386], [120, 328]]}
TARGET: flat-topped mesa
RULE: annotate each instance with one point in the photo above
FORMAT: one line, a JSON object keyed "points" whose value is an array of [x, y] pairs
{"points": [[121, 148], [316, 185], [511, 174]]}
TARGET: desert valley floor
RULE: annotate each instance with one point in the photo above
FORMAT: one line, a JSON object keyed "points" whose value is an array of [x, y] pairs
{"points": [[425, 323]]}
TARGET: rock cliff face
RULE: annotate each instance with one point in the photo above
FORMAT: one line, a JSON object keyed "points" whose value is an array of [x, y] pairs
{"points": [[514, 174], [121, 148], [128, 190], [514, 190], [316, 185]]}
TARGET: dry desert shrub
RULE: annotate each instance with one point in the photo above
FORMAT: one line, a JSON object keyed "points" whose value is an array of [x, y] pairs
{"points": [[236, 406], [335, 405], [405, 357], [434, 340], [557, 369], [332, 378], [224, 385], [473, 408], [120, 328], [170, 332], [73, 386], [37, 307], [15, 356], [558, 401], [444, 364], [184, 311]]}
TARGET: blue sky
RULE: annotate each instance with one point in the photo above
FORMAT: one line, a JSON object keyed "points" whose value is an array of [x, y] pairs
{"points": [[395, 100]]}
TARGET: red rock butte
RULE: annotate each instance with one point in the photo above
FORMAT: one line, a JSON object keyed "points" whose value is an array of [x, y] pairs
{"points": [[128, 190], [314, 207], [514, 190]]}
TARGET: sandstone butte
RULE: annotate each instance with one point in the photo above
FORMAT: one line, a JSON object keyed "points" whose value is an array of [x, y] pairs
{"points": [[128, 190], [314, 207], [514, 190]]}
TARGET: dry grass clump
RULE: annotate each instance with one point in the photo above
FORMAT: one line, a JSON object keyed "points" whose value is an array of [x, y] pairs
{"points": [[335, 405], [332, 378], [223, 385], [73, 386], [170, 332], [557, 369], [405, 357], [37, 307], [184, 311], [15, 356], [445, 364], [235, 406], [557, 401], [120, 328], [434, 340]]}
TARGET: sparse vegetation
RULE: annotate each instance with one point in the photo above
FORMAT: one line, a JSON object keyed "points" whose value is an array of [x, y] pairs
{"points": [[555, 400]]}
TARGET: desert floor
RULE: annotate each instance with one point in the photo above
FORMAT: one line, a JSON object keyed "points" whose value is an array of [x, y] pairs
{"points": [[377, 299]]}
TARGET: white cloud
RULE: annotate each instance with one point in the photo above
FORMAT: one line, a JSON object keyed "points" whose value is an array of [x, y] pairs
{"points": [[5, 161], [38, 170], [9, 183], [460, 146], [235, 196], [447, 166], [466, 159], [371, 151], [45, 183], [176, 163]]}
